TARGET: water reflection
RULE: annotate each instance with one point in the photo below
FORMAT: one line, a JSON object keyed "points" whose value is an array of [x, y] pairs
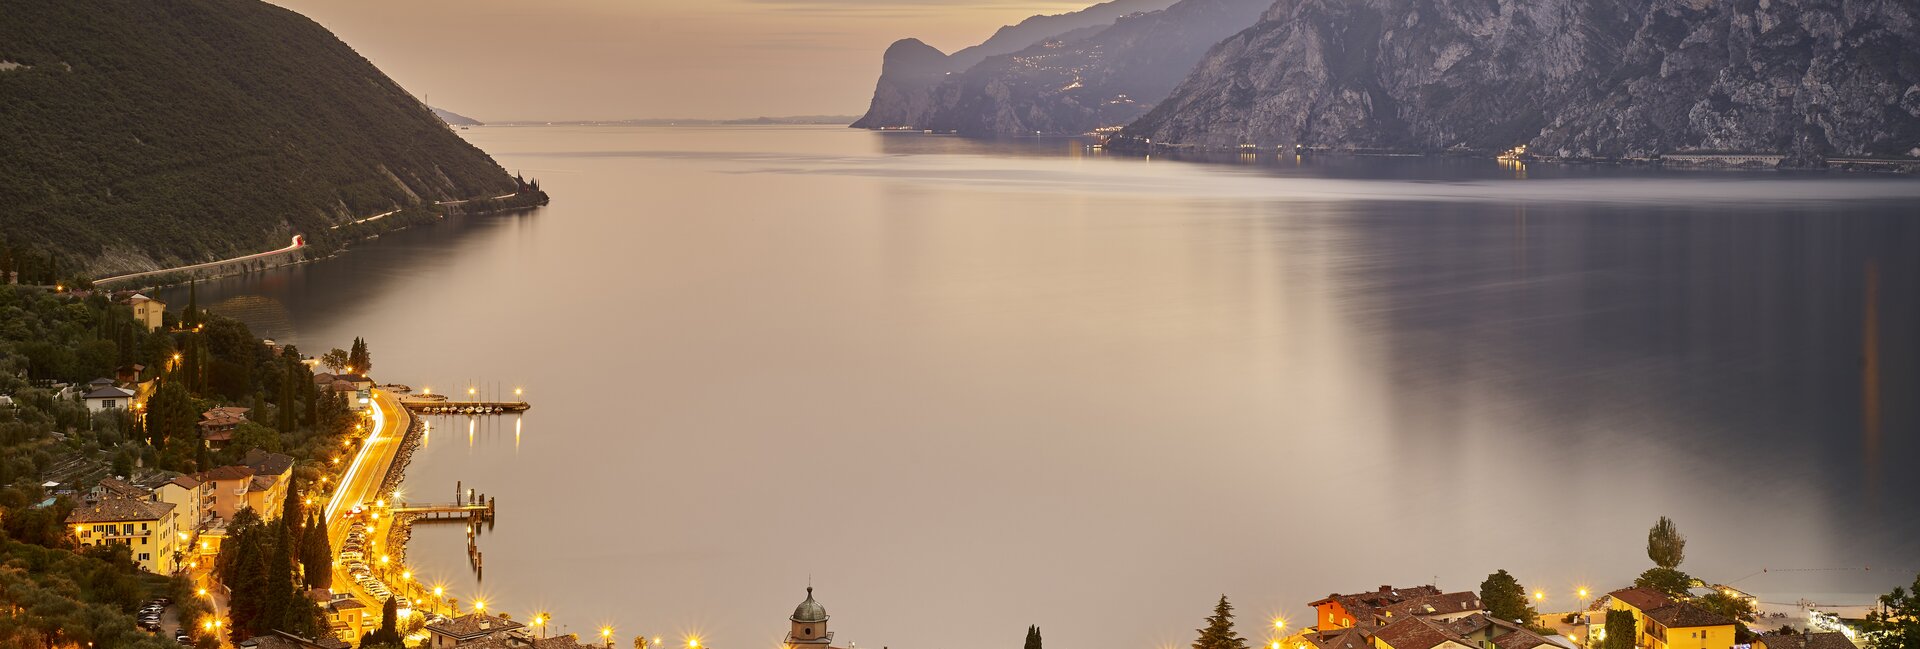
{"points": [[1023, 378]]}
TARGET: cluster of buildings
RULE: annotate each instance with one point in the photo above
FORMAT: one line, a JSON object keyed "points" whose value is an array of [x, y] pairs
{"points": [[1419, 617], [172, 521], [483, 631], [358, 388], [1424, 617], [479, 630]]}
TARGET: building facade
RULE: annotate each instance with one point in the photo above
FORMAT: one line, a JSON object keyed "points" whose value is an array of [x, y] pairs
{"points": [[147, 529]]}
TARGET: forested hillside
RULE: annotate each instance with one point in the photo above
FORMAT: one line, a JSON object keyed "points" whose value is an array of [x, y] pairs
{"points": [[138, 135]]}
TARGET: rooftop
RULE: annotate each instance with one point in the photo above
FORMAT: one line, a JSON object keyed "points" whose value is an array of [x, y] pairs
{"points": [[266, 463], [473, 625], [1521, 639], [1831, 640], [110, 392], [1683, 615], [114, 510], [1416, 633], [229, 472], [1442, 604], [1645, 599]]}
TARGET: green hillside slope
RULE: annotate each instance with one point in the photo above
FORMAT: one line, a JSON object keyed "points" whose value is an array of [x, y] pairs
{"points": [[136, 135]]}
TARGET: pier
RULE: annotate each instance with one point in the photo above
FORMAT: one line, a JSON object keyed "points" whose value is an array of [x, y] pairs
{"points": [[436, 407], [482, 513]]}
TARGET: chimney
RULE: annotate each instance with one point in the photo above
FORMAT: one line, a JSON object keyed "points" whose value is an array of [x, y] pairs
{"points": [[1386, 588]]}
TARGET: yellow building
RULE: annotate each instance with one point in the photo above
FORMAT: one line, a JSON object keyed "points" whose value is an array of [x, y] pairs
{"points": [[147, 311], [1659, 622], [147, 529]]}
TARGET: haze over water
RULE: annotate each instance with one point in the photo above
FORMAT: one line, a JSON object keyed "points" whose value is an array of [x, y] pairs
{"points": [[966, 387]]}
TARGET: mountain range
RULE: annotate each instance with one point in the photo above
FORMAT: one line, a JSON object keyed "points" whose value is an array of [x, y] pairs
{"points": [[1591, 79]]}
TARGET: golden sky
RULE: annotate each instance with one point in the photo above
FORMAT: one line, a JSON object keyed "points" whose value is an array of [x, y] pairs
{"points": [[500, 60]]}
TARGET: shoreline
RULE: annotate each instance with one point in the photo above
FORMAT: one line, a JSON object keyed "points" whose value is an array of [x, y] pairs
{"points": [[356, 231]]}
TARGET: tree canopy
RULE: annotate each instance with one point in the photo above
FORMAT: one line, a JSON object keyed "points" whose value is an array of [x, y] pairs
{"points": [[1665, 546], [1506, 599], [1897, 624]]}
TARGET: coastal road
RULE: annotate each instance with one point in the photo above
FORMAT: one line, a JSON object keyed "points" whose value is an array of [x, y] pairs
{"points": [[298, 243], [361, 482]]}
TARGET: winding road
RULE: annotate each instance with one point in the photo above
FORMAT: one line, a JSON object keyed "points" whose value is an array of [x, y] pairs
{"points": [[299, 241]]}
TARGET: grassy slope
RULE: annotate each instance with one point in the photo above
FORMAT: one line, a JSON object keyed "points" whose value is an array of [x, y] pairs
{"points": [[155, 132]]}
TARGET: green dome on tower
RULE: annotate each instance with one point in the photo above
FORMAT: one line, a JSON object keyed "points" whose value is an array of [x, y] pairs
{"points": [[809, 611]]}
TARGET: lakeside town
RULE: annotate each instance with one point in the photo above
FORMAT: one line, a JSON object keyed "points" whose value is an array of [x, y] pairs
{"points": [[280, 523]]}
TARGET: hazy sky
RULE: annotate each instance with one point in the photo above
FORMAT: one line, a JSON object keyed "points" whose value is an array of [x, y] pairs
{"points": [[605, 59]]}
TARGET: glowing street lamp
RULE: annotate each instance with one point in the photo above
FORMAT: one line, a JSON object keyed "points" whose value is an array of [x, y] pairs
{"points": [[1583, 592], [1279, 624], [1539, 596], [480, 605], [693, 643]]}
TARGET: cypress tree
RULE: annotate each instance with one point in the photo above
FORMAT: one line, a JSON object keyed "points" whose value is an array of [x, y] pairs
{"points": [[359, 358], [315, 555], [1033, 637], [285, 405], [191, 315], [1219, 634]]}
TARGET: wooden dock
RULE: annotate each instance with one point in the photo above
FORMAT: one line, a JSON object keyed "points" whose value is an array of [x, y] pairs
{"points": [[478, 512], [437, 407]]}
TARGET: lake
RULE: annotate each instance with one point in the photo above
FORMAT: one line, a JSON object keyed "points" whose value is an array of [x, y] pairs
{"points": [[962, 387]]}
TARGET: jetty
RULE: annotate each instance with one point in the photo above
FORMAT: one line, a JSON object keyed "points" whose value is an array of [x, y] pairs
{"points": [[446, 407], [476, 512]]}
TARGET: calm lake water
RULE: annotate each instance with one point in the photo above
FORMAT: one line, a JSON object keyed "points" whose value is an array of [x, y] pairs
{"points": [[965, 387]]}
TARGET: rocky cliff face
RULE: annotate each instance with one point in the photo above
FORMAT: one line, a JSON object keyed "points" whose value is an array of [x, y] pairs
{"points": [[1080, 81], [1022, 79], [1576, 78], [908, 73]]}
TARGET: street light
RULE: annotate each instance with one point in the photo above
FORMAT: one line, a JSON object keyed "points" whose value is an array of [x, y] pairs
{"points": [[480, 605]]}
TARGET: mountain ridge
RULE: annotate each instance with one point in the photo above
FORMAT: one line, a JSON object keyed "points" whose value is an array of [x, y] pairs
{"points": [[136, 136], [1600, 79], [1091, 75]]}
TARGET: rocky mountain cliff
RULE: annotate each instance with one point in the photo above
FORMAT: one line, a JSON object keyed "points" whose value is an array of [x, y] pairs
{"points": [[136, 135], [1570, 78], [1088, 79], [910, 68]]}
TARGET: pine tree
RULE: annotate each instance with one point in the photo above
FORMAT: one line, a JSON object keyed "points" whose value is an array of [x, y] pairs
{"points": [[1033, 637], [1219, 634]]}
